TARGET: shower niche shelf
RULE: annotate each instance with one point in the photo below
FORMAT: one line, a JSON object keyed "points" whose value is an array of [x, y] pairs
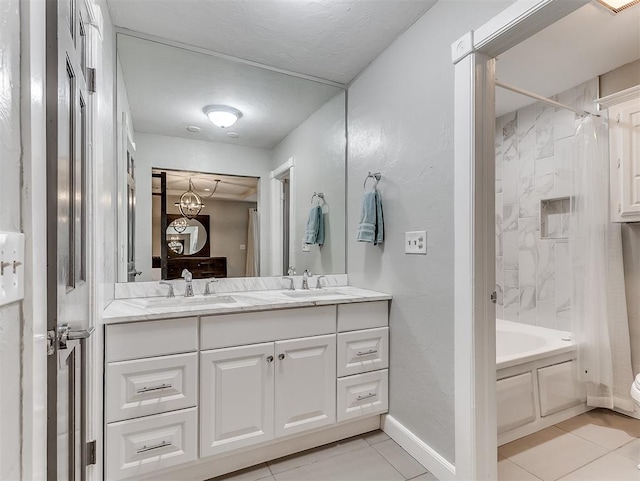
{"points": [[554, 218]]}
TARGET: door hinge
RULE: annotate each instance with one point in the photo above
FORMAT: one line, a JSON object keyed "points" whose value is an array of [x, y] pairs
{"points": [[494, 297], [91, 453], [91, 79], [51, 342]]}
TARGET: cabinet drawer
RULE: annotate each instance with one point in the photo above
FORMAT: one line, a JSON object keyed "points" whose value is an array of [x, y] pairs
{"points": [[363, 351], [147, 444], [363, 315], [150, 338], [559, 388], [363, 395], [265, 326], [515, 401], [151, 386]]}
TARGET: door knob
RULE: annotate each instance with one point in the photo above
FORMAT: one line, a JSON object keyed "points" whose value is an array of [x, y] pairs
{"points": [[65, 334]]}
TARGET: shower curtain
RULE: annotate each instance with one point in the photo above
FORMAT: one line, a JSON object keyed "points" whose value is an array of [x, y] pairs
{"points": [[252, 267], [599, 319]]}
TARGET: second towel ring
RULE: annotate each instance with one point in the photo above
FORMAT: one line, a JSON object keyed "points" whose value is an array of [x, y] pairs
{"points": [[320, 197], [375, 176]]}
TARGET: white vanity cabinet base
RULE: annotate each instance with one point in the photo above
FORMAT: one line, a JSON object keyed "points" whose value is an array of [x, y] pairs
{"points": [[236, 397], [151, 386], [363, 351], [305, 394], [151, 443], [137, 340], [363, 395], [366, 315]]}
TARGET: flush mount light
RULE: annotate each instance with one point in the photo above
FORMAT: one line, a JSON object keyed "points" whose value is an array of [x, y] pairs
{"points": [[222, 115], [617, 6]]}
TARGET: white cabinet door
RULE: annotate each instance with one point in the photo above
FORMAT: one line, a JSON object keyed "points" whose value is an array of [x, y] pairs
{"points": [[236, 397], [624, 136], [305, 384]]}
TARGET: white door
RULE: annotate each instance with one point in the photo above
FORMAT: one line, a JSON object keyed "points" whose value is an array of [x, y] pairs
{"points": [[67, 283], [236, 397], [305, 384]]}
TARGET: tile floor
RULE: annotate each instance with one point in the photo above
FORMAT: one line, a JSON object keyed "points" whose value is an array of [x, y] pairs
{"points": [[596, 446], [369, 457]]}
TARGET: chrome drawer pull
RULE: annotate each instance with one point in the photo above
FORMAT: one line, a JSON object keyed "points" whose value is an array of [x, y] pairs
{"points": [[370, 351], [154, 388], [371, 394], [146, 448]]}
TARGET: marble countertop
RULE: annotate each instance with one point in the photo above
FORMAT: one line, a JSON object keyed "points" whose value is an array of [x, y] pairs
{"points": [[151, 308]]}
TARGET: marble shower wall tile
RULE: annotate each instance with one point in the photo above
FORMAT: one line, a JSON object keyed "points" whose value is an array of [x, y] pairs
{"points": [[544, 130], [526, 184], [533, 163], [527, 253]]}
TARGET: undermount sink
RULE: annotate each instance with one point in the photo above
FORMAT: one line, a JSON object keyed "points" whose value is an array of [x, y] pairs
{"points": [[183, 301], [313, 293]]}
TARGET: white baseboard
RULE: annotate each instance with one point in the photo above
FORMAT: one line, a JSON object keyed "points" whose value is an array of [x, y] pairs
{"points": [[424, 454]]}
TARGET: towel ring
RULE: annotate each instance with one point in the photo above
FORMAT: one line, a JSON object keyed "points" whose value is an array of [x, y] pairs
{"points": [[320, 197], [375, 176]]}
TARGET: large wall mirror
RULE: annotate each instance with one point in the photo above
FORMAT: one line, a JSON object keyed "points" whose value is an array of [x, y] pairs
{"points": [[222, 163]]}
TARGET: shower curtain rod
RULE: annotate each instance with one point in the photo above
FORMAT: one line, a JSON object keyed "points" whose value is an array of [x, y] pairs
{"points": [[541, 98]]}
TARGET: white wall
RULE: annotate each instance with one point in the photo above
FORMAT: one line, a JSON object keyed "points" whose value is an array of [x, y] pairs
{"points": [[157, 151], [10, 220], [318, 149], [400, 122]]}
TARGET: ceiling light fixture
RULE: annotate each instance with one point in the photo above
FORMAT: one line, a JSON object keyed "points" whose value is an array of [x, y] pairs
{"points": [[222, 116], [617, 6], [190, 203]]}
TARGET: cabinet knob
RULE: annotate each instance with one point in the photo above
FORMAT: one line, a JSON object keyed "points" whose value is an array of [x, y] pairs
{"points": [[270, 359], [281, 356]]}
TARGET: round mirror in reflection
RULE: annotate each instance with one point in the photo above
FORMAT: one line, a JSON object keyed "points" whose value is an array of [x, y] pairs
{"points": [[188, 239]]}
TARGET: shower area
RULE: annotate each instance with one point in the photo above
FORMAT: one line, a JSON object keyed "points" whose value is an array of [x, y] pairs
{"points": [[566, 333]]}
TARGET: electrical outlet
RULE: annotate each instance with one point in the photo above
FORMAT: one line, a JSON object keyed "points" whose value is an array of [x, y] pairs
{"points": [[243, 247], [11, 267], [415, 242], [306, 247]]}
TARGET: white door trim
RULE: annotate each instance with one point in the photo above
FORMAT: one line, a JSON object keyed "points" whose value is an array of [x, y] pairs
{"points": [[276, 241], [474, 209]]}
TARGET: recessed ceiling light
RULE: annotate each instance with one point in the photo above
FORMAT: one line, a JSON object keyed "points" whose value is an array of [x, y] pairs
{"points": [[617, 6], [194, 128], [222, 115], [233, 135]]}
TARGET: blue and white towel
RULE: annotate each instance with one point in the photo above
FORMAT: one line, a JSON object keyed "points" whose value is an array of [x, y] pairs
{"points": [[314, 233], [371, 227]]}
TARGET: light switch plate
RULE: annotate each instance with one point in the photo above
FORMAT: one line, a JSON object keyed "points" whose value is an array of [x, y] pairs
{"points": [[12, 270], [415, 242]]}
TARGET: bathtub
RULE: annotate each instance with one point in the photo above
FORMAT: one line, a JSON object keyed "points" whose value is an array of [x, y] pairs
{"points": [[536, 379]]}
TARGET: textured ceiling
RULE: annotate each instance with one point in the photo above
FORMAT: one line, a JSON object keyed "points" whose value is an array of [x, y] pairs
{"points": [[581, 46], [329, 39], [168, 87], [231, 187]]}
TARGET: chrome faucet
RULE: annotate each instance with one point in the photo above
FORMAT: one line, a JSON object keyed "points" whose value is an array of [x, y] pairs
{"points": [[165, 283], [292, 286], [207, 291], [188, 279], [318, 284], [291, 271], [305, 278]]}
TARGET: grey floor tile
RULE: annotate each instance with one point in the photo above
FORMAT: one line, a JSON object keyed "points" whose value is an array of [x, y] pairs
{"points": [[399, 459], [317, 454], [364, 464], [254, 473], [375, 437], [425, 477]]}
